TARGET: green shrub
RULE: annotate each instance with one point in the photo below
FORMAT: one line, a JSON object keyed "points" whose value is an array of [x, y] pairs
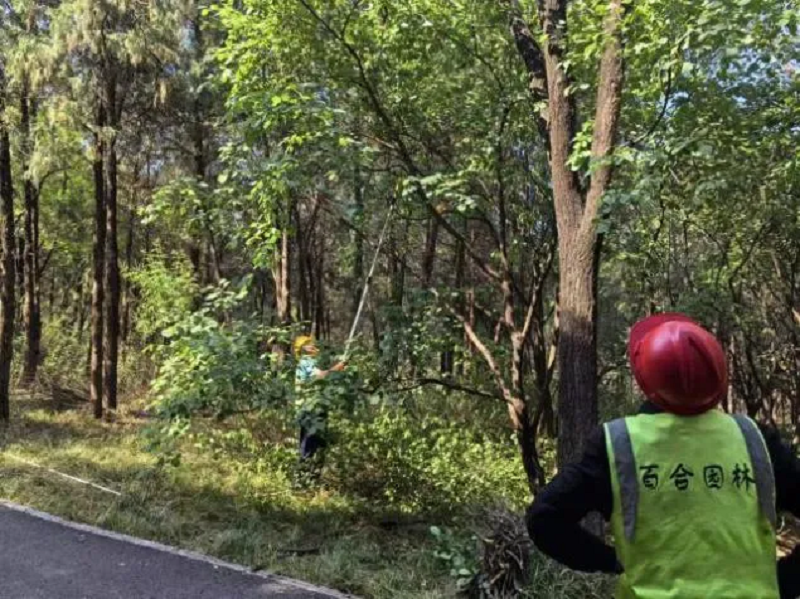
{"points": [[65, 353], [422, 464], [210, 364], [167, 291]]}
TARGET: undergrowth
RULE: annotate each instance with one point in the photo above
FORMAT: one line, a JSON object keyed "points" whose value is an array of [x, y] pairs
{"points": [[231, 496]]}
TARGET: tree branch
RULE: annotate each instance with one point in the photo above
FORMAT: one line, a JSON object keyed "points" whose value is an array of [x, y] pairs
{"points": [[562, 119], [481, 347], [536, 293], [449, 385], [660, 117], [609, 100], [402, 148]]}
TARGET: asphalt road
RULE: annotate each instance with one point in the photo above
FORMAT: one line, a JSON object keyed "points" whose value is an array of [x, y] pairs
{"points": [[45, 558]]}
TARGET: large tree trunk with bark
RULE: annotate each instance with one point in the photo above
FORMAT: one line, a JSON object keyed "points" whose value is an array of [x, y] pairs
{"points": [[99, 260], [577, 349], [31, 314], [576, 207], [7, 296]]}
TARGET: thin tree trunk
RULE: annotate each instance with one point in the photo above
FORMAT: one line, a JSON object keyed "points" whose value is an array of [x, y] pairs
{"points": [[79, 310], [99, 255], [319, 309], [19, 267], [545, 417], [7, 298], [31, 315], [282, 273], [130, 292], [111, 338], [199, 149], [521, 418], [304, 272], [429, 257], [448, 355], [358, 261]]}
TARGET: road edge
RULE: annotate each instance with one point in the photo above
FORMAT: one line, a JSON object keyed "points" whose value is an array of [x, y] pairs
{"points": [[193, 555]]}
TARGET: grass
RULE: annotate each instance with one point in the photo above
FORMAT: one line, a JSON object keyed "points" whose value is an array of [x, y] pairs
{"points": [[230, 507]]}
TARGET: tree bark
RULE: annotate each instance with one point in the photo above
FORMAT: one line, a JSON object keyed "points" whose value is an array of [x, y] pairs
{"points": [[577, 350], [111, 337], [31, 314], [99, 259], [521, 418], [282, 272], [7, 298]]}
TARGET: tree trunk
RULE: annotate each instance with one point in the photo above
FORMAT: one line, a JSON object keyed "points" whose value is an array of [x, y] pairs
{"points": [[544, 419], [19, 269], [31, 315], [398, 268], [111, 337], [576, 208], [199, 149], [429, 257], [282, 273], [577, 349], [448, 355], [130, 292], [358, 260], [7, 298], [305, 273], [521, 417], [99, 255], [319, 303], [79, 309]]}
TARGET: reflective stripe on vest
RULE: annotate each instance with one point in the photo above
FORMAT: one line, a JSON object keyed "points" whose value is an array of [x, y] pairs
{"points": [[762, 466], [625, 467]]}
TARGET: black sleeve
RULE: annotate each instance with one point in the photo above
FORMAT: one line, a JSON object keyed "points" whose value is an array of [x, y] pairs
{"points": [[789, 575], [787, 472], [787, 498], [555, 516]]}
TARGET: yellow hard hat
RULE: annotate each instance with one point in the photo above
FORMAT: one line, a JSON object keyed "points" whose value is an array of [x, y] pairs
{"points": [[301, 342]]}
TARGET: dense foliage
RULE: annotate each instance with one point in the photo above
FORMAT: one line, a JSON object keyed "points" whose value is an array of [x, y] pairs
{"points": [[187, 186]]}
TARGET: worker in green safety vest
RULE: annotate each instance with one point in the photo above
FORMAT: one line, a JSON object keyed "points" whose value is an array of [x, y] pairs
{"points": [[691, 492]]}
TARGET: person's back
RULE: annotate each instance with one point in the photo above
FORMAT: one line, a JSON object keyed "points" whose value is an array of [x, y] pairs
{"points": [[689, 490], [687, 515]]}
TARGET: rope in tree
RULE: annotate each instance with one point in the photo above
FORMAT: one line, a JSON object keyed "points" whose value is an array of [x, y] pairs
{"points": [[360, 309]]}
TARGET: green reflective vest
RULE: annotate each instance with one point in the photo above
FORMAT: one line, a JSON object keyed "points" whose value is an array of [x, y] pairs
{"points": [[694, 507]]}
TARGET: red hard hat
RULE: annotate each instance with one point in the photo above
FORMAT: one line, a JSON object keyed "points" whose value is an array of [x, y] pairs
{"points": [[678, 364]]}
